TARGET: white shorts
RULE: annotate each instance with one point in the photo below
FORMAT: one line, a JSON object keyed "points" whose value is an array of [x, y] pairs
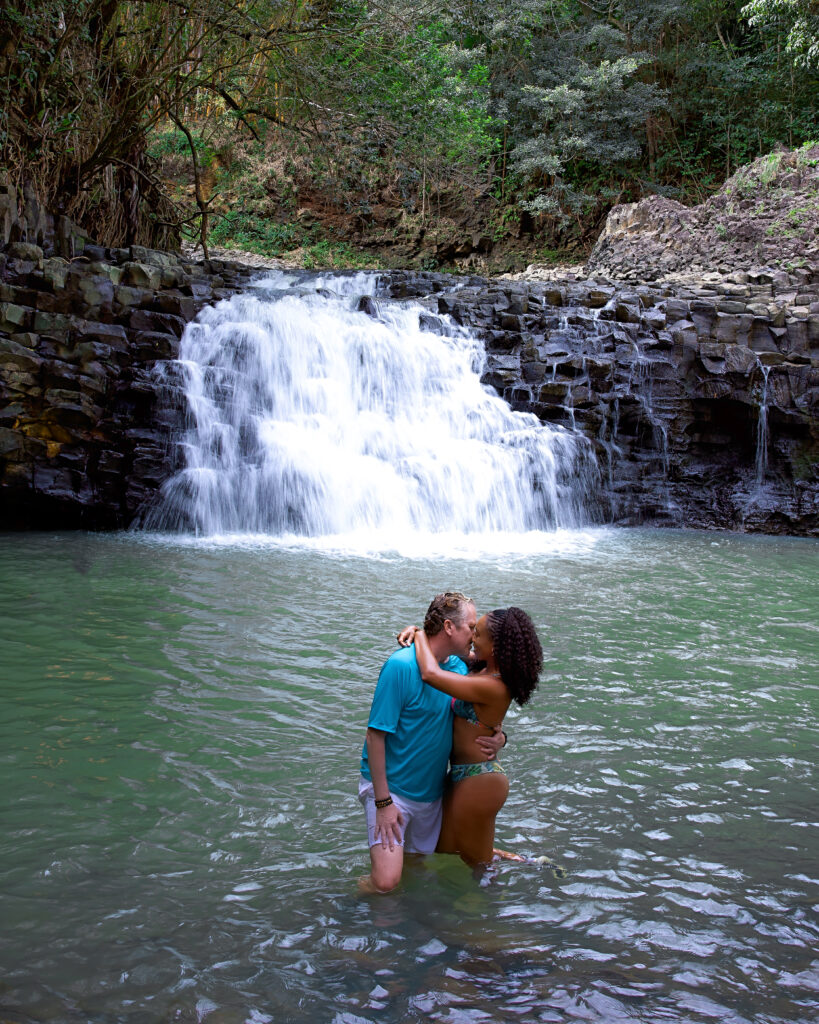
{"points": [[422, 820]]}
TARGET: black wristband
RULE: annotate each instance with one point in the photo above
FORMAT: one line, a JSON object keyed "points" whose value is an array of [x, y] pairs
{"points": [[381, 804], [505, 739]]}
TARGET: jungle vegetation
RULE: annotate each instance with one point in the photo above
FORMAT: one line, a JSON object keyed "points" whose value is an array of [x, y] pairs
{"points": [[543, 111]]}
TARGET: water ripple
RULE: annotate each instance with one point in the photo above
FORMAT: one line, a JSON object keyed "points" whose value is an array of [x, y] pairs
{"points": [[180, 730]]}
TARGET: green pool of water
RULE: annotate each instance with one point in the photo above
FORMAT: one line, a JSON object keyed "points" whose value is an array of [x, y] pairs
{"points": [[180, 725]]}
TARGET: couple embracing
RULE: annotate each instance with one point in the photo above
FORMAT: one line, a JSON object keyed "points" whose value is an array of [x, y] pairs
{"points": [[442, 698]]}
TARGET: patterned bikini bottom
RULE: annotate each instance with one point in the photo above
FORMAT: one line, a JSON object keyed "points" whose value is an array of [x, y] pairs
{"points": [[459, 772]]}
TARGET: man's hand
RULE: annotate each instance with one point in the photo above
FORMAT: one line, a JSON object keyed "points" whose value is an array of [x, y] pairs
{"points": [[405, 637], [388, 822], [490, 745], [389, 819]]}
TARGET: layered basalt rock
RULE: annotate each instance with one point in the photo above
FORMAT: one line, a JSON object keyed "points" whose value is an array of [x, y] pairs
{"points": [[24, 219], [83, 433], [766, 215], [702, 403]]}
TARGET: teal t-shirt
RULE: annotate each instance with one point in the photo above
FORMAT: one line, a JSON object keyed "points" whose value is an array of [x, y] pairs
{"points": [[418, 723]]}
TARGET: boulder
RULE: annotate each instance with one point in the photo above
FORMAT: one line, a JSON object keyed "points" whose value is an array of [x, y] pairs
{"points": [[141, 275]]}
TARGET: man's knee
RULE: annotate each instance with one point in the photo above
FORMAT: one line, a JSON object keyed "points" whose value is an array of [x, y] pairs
{"points": [[386, 867], [385, 882], [386, 876]]}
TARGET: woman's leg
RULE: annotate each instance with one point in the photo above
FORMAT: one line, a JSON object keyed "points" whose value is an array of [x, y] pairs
{"points": [[470, 809], [446, 839]]}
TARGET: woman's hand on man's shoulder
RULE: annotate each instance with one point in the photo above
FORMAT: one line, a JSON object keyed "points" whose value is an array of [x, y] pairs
{"points": [[406, 636]]}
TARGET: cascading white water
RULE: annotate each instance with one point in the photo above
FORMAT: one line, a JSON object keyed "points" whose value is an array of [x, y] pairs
{"points": [[309, 417], [762, 429]]}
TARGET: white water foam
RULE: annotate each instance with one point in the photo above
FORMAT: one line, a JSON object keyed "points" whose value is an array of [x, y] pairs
{"points": [[318, 424], [507, 548]]}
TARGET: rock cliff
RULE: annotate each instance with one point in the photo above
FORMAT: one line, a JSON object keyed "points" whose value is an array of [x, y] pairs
{"points": [[765, 215], [83, 435], [700, 395], [702, 402]]}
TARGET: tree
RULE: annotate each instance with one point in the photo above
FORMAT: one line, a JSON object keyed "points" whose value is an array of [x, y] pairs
{"points": [[604, 101], [86, 82], [800, 21], [574, 89]]}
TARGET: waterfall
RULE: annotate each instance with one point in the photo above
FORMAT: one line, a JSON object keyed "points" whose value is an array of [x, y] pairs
{"points": [[308, 416], [762, 429]]}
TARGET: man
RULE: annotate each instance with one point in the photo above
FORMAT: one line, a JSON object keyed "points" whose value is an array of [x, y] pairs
{"points": [[409, 736]]}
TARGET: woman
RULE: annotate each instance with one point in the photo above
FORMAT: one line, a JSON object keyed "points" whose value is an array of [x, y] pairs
{"points": [[506, 645]]}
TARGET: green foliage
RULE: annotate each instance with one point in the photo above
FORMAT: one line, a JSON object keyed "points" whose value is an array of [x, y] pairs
{"points": [[797, 19], [591, 119], [325, 254], [555, 257], [168, 140], [541, 112], [803, 154], [249, 233], [86, 82], [399, 100], [769, 171], [733, 103]]}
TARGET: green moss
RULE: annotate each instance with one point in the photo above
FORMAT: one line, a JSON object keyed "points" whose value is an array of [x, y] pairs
{"points": [[804, 461], [554, 257]]}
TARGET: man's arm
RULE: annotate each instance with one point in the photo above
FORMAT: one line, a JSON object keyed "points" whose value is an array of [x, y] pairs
{"points": [[387, 819]]}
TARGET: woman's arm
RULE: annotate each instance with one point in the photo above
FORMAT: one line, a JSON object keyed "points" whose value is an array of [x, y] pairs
{"points": [[480, 689]]}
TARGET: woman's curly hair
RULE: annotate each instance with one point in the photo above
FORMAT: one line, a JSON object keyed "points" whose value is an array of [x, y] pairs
{"points": [[517, 650]]}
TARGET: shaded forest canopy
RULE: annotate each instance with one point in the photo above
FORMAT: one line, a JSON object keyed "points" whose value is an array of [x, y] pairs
{"points": [[534, 115]]}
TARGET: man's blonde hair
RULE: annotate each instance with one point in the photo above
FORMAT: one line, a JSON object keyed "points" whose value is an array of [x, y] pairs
{"points": [[452, 604]]}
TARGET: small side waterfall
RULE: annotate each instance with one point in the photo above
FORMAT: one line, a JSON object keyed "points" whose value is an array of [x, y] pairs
{"points": [[309, 417], [762, 429], [611, 384]]}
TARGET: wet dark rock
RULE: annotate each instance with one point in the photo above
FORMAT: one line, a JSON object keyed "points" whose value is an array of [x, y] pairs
{"points": [[140, 275], [668, 382], [126, 296], [627, 312], [432, 324], [148, 346], [671, 394], [183, 306], [366, 304], [84, 420], [163, 323], [25, 251]]}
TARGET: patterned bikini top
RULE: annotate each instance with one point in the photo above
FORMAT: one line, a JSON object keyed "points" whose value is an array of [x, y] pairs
{"points": [[466, 709]]}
